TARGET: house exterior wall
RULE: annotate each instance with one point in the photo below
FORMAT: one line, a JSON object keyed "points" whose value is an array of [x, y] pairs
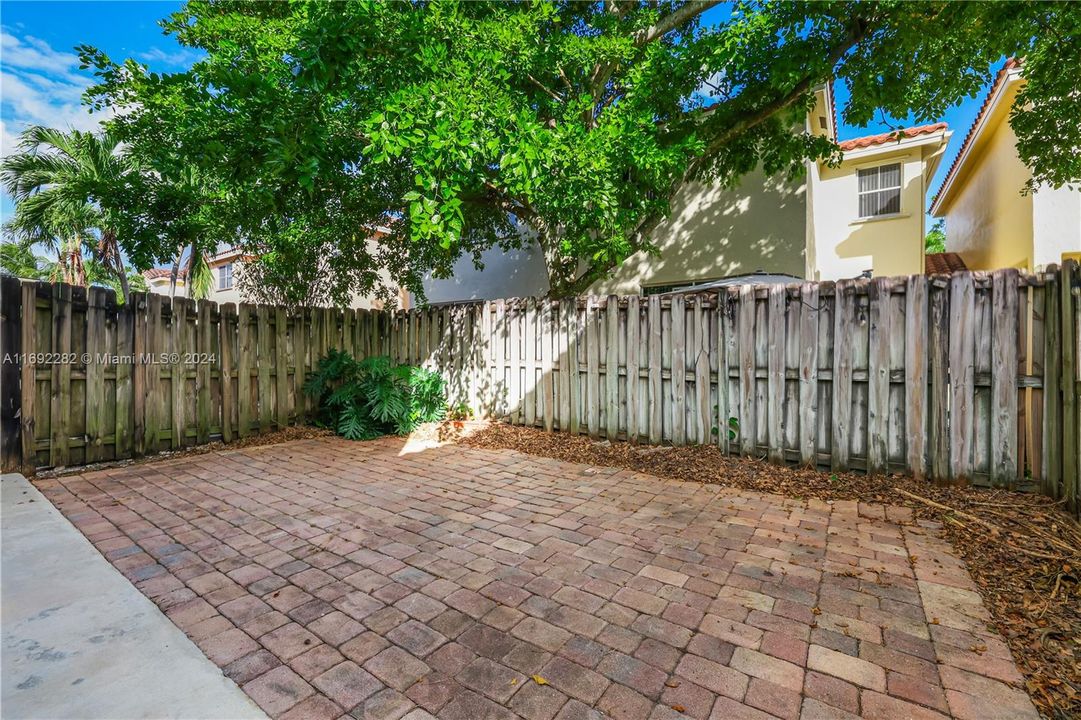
{"points": [[714, 232], [161, 287], [711, 233], [841, 245], [1056, 224], [506, 274], [989, 222]]}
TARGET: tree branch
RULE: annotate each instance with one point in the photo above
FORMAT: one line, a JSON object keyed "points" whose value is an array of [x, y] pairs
{"points": [[857, 32], [551, 93], [673, 20]]}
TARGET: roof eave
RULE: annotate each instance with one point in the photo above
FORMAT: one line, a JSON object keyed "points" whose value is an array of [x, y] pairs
{"points": [[939, 136], [944, 195]]}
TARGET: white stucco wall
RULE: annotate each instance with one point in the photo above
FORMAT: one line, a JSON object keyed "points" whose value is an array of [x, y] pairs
{"points": [[506, 274], [841, 245], [1056, 224]]}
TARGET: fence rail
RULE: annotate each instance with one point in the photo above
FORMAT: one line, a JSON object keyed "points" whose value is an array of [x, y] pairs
{"points": [[965, 378]]}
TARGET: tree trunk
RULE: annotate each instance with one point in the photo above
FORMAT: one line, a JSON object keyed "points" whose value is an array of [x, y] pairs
{"points": [[110, 257], [174, 273]]}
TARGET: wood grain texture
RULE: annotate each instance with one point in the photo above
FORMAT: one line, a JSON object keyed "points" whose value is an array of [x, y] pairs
{"points": [[679, 370], [916, 375], [962, 376], [1004, 359], [808, 374], [843, 341], [776, 374], [972, 378]]}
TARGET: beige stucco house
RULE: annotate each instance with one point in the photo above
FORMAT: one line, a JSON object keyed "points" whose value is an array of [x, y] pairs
{"points": [[225, 267], [862, 217], [865, 216], [990, 221]]}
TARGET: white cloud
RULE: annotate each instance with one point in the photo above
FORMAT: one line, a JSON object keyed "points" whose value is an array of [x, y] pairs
{"points": [[40, 85], [30, 53], [181, 58]]}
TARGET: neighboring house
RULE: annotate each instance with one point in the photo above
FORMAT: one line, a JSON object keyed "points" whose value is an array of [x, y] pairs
{"points": [[157, 279], [990, 222], [225, 267], [223, 286], [863, 217], [867, 213]]}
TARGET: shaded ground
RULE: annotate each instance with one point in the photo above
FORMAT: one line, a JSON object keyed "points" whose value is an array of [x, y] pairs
{"points": [[385, 580], [1022, 550]]}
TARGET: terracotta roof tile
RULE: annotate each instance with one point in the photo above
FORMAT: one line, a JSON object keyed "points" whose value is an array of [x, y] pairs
{"points": [[943, 263], [883, 138], [155, 273]]}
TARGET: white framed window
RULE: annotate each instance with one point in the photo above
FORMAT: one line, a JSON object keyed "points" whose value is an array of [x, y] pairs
{"points": [[879, 190], [225, 276]]}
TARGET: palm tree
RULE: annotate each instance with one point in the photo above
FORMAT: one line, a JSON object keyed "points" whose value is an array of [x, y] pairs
{"points": [[18, 259], [57, 182]]}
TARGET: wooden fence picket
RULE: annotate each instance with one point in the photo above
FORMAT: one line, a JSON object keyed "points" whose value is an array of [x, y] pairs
{"points": [[967, 378]]}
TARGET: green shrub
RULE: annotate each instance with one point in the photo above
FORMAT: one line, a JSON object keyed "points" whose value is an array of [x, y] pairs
{"points": [[364, 399]]}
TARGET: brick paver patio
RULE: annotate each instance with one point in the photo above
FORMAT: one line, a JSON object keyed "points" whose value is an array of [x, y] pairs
{"points": [[330, 578]]}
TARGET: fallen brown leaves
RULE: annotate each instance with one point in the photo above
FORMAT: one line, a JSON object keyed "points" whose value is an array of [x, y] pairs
{"points": [[1021, 549]]}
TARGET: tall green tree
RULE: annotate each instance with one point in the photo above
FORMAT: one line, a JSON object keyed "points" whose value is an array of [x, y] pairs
{"points": [[935, 240], [461, 126]]}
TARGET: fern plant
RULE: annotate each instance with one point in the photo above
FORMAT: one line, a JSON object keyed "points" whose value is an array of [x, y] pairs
{"points": [[364, 399]]}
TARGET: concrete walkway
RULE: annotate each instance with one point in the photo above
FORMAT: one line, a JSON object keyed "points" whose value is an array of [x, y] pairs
{"points": [[79, 641]]}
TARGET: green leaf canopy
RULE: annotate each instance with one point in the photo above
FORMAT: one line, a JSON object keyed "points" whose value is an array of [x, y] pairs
{"points": [[455, 127]]}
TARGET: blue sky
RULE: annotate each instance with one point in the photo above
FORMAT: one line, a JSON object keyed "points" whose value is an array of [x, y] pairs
{"points": [[41, 82]]}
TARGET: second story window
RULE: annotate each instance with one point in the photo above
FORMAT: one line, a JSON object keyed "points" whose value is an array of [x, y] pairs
{"points": [[225, 276], [880, 190]]}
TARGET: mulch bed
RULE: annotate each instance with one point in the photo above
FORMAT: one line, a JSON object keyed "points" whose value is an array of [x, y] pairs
{"points": [[1021, 549]]}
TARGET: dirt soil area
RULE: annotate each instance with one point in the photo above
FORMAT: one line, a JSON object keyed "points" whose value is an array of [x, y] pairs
{"points": [[1022, 549]]}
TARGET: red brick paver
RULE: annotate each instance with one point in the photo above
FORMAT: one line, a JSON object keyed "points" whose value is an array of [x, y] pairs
{"points": [[382, 581]]}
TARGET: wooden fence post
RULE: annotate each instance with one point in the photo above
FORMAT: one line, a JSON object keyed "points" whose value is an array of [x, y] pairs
{"points": [[10, 393], [95, 373], [775, 375], [547, 383], [808, 374], [878, 375], [28, 383], [702, 412], [916, 388], [1003, 419], [844, 320], [1071, 445], [747, 395], [724, 332], [60, 389], [226, 336], [962, 375], [656, 387], [679, 370], [611, 368]]}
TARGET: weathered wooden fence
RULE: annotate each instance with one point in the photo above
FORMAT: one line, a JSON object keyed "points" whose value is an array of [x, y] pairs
{"points": [[965, 378]]}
